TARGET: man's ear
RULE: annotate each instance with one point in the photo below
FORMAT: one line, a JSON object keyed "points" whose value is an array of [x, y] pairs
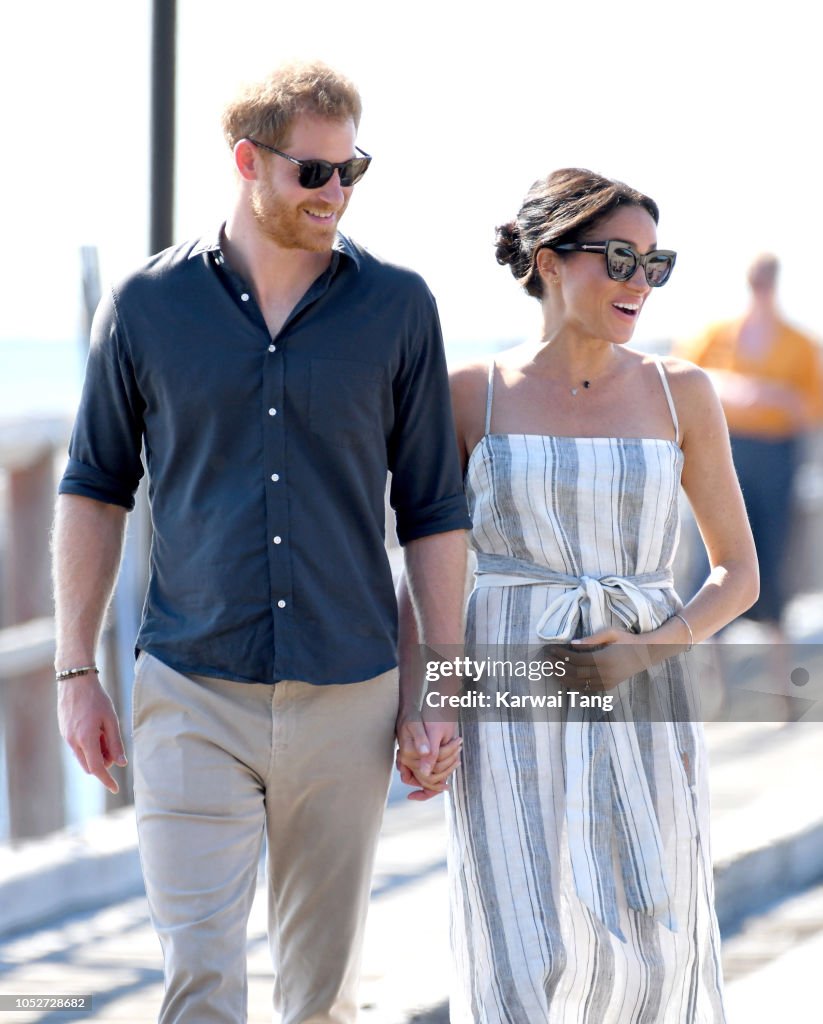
{"points": [[246, 159]]}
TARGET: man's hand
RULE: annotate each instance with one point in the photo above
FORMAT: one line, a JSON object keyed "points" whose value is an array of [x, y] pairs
{"points": [[88, 539], [436, 568], [427, 754], [88, 723]]}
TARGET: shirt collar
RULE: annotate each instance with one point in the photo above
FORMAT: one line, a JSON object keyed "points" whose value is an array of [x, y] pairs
{"points": [[348, 248], [208, 243], [212, 243]]}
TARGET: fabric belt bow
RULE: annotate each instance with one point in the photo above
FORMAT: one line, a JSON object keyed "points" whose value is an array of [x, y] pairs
{"points": [[607, 788]]}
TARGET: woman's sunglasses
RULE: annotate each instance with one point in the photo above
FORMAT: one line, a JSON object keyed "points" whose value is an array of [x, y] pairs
{"points": [[315, 173], [622, 260]]}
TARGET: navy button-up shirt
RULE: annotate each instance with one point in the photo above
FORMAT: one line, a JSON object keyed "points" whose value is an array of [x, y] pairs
{"points": [[268, 457]]}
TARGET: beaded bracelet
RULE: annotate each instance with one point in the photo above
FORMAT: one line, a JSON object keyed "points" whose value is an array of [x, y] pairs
{"points": [[677, 615], [70, 673]]}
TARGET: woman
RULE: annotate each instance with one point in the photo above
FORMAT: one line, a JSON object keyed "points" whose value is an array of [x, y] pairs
{"points": [[581, 882]]}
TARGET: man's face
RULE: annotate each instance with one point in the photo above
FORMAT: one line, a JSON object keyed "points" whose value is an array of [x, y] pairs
{"points": [[292, 216]]}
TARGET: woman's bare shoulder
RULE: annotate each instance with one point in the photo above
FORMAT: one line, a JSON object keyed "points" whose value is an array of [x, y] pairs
{"points": [[471, 369], [695, 398], [469, 379], [686, 379]]}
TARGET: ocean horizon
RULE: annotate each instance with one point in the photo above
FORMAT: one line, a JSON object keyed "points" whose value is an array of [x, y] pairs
{"points": [[40, 378]]}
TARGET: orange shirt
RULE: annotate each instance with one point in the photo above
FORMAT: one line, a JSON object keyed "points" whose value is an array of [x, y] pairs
{"points": [[793, 360]]}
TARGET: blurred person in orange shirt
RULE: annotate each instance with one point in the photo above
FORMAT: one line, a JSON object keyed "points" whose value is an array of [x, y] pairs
{"points": [[769, 377]]}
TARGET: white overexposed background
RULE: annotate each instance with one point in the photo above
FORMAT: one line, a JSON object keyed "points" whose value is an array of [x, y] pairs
{"points": [[711, 108]]}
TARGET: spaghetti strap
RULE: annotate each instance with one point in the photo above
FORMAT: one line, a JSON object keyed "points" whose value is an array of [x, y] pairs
{"points": [[659, 364], [489, 397]]}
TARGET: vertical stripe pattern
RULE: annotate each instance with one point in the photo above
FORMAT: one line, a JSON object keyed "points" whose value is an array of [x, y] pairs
{"points": [[527, 948]]}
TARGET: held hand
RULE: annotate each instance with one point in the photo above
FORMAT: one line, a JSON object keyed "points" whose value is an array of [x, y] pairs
{"points": [[427, 755], [436, 781], [88, 723]]}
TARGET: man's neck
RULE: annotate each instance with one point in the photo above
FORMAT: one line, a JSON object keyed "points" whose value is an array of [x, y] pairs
{"points": [[270, 269], [762, 309], [278, 277]]}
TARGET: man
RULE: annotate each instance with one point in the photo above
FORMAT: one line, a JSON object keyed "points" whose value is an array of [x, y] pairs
{"points": [[274, 373], [768, 376]]}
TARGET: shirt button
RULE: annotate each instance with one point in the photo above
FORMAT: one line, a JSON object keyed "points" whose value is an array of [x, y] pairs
{"points": [[272, 412], [272, 348], [245, 296], [277, 540], [275, 477], [281, 603]]}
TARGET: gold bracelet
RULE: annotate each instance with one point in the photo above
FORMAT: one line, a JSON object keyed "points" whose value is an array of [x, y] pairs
{"points": [[70, 673], [677, 615]]}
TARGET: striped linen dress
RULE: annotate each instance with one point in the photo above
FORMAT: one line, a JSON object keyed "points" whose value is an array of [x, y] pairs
{"points": [[579, 869]]}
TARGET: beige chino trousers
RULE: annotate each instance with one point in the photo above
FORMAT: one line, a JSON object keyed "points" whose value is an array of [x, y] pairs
{"points": [[220, 764]]}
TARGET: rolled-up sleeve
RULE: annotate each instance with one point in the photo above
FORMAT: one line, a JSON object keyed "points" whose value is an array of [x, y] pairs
{"points": [[104, 450], [427, 488]]}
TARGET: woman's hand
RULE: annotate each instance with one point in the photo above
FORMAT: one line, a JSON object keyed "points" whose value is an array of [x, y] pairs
{"points": [[610, 656]]}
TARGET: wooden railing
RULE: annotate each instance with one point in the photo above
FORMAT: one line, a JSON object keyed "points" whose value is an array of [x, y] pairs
{"points": [[35, 797]]}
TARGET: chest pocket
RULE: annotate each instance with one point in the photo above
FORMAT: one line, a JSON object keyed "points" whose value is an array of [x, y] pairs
{"points": [[345, 401]]}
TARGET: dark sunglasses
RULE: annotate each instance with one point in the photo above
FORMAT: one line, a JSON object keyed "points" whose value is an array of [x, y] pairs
{"points": [[315, 173], [622, 260]]}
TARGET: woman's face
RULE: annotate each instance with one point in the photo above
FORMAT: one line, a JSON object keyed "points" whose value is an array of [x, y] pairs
{"points": [[583, 295]]}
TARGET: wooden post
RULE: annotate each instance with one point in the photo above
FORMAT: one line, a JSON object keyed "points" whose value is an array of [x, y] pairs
{"points": [[163, 82], [31, 500], [32, 740]]}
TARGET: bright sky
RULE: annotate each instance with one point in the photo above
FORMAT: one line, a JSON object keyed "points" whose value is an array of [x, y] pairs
{"points": [[710, 107]]}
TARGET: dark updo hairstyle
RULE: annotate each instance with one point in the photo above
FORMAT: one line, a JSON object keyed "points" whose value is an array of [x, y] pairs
{"points": [[559, 209]]}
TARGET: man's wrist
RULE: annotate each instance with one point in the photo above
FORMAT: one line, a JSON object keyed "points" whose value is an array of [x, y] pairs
{"points": [[72, 672], [408, 711]]}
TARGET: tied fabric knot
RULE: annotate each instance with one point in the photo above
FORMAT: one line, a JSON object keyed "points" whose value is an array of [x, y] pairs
{"points": [[604, 594], [607, 788]]}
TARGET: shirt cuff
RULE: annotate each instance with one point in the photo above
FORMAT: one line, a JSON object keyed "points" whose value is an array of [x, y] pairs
{"points": [[441, 517], [90, 482]]}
